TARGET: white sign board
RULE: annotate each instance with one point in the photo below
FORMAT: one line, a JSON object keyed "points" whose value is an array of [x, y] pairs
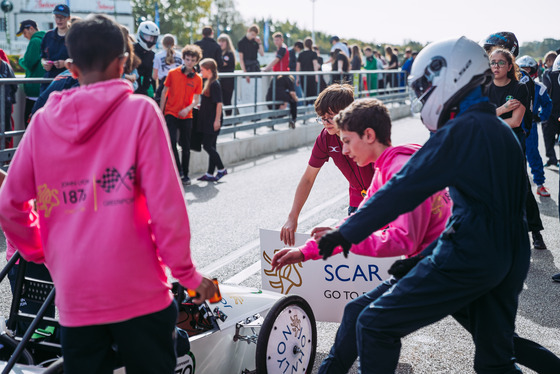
{"points": [[326, 285], [95, 6]]}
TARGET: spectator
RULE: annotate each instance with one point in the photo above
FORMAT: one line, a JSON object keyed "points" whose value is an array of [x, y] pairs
{"points": [[148, 33], [381, 65], [391, 79], [371, 64], [551, 128], [180, 95], [210, 119], [109, 311], [9, 98], [130, 71], [281, 61], [31, 62], [542, 106], [308, 61], [328, 145], [285, 92], [294, 51], [340, 64], [228, 66], [248, 48], [337, 44], [407, 64], [53, 47], [320, 61], [512, 100], [356, 63], [210, 48], [62, 81], [164, 61]]}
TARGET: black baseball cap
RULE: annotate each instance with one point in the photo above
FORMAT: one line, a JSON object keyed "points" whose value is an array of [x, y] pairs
{"points": [[62, 10], [25, 24]]}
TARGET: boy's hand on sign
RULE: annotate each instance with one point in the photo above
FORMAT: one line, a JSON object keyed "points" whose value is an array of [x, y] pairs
{"points": [[286, 256], [205, 290], [288, 231], [330, 241]]}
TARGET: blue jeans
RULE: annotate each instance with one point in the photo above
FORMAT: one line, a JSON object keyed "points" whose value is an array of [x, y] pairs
{"points": [[533, 156]]}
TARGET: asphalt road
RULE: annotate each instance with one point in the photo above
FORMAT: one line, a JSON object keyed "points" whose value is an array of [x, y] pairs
{"points": [[226, 217]]}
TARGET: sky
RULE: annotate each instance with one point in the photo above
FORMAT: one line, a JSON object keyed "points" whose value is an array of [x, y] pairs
{"points": [[394, 21]]}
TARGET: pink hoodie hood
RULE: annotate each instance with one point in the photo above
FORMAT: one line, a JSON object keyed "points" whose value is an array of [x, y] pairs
{"points": [[76, 114]]}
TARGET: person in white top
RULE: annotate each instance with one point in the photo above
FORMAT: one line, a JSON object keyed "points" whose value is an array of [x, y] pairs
{"points": [[164, 61]]}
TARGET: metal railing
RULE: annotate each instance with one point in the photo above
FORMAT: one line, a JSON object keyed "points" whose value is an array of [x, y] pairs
{"points": [[251, 114]]}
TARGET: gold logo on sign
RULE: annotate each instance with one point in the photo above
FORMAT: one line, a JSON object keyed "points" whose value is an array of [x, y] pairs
{"points": [[285, 278], [47, 199]]}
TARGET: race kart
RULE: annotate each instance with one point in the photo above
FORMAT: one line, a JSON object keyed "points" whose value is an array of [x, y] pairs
{"points": [[247, 331]]}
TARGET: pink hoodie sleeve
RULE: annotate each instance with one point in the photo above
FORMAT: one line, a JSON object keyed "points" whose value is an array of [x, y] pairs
{"points": [[403, 236], [17, 218], [167, 207]]}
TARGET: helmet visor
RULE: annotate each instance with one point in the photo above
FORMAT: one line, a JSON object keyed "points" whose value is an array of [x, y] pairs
{"points": [[148, 39], [422, 88]]}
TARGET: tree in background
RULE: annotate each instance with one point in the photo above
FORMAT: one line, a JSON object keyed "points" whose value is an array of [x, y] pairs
{"points": [[182, 18]]}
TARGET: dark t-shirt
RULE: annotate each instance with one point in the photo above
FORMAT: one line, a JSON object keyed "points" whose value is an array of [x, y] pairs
{"points": [[249, 48], [53, 48], [513, 90], [345, 63], [145, 69], [356, 63], [284, 85], [305, 59], [207, 111], [210, 49], [293, 59], [394, 61], [228, 65]]}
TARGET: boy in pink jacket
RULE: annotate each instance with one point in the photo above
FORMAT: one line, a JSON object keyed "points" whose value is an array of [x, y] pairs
{"points": [[366, 138], [111, 212]]}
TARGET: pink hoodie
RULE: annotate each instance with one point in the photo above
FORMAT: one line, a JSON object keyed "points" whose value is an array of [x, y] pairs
{"points": [[109, 200], [410, 233]]}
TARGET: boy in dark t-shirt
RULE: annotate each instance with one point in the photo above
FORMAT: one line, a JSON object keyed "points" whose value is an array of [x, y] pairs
{"points": [[249, 47]]}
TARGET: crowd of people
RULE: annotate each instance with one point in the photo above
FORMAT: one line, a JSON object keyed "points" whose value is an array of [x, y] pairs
{"points": [[460, 217]]}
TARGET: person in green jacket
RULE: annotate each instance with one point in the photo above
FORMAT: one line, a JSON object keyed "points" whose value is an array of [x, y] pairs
{"points": [[31, 62], [370, 64]]}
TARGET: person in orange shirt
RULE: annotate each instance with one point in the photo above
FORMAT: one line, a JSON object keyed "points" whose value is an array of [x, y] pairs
{"points": [[180, 95]]}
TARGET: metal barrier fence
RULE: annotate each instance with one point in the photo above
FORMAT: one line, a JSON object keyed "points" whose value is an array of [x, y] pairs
{"points": [[245, 115]]}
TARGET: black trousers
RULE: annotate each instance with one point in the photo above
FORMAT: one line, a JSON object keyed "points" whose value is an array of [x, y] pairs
{"points": [[227, 92], [550, 130], [183, 127], [214, 159]]}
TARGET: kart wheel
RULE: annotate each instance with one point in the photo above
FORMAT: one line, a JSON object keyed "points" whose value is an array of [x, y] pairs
{"points": [[288, 338], [8, 346]]}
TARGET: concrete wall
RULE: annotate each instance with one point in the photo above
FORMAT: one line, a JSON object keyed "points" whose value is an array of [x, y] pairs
{"points": [[237, 150]]}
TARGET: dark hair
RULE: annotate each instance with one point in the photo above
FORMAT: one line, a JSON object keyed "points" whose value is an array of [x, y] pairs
{"points": [[514, 72], [192, 51], [334, 98], [308, 43], [363, 114], [94, 42], [298, 44], [207, 31]]}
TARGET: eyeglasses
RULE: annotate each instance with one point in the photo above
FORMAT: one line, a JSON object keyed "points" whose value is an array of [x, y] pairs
{"points": [[324, 120], [500, 63]]}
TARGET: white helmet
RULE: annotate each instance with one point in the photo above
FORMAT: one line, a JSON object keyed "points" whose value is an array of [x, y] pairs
{"points": [[556, 64], [148, 33], [442, 74], [528, 62]]}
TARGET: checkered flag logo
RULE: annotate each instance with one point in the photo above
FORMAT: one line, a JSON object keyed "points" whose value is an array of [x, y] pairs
{"points": [[112, 179]]}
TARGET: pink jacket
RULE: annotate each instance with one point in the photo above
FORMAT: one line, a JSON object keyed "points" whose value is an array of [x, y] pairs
{"points": [[110, 204], [410, 233]]}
